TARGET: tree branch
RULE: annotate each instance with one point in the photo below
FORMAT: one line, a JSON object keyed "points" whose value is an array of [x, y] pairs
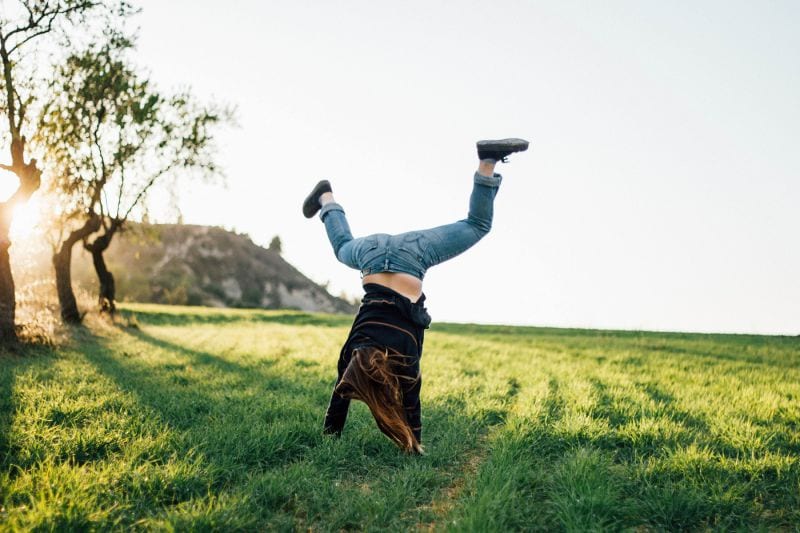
{"points": [[147, 186], [9, 87], [48, 27], [91, 225], [100, 183]]}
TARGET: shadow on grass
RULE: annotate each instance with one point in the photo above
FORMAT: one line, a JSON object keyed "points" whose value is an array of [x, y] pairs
{"points": [[784, 341], [546, 475], [667, 404], [622, 410], [12, 363], [197, 356], [7, 379], [778, 361], [175, 391], [779, 352], [232, 316]]}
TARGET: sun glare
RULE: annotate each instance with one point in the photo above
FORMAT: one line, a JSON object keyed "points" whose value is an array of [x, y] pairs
{"points": [[26, 218], [8, 184]]}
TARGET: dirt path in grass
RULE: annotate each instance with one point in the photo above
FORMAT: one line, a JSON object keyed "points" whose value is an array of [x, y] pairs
{"points": [[446, 501]]}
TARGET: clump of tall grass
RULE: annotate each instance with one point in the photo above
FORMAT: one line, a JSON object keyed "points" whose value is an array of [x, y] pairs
{"points": [[38, 314]]}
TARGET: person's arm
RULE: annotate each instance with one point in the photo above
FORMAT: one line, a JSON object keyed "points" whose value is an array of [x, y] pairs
{"points": [[336, 414], [413, 407]]}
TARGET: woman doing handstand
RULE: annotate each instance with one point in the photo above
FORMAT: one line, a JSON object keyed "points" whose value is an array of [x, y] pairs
{"points": [[379, 362]]}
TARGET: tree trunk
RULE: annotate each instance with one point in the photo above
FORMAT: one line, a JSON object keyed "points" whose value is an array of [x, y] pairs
{"points": [[108, 291], [106, 278], [62, 262], [8, 333], [29, 179]]}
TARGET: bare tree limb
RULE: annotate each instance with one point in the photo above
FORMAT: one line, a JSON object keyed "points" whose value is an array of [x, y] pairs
{"points": [[147, 187], [46, 27]]}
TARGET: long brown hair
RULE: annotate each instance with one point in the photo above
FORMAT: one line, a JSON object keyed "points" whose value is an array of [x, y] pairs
{"points": [[371, 378]]}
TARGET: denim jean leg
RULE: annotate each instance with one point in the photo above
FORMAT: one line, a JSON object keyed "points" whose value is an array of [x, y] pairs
{"points": [[450, 240], [338, 230], [481, 201]]}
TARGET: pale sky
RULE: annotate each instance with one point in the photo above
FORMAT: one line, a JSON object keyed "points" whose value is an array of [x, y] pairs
{"points": [[660, 192]]}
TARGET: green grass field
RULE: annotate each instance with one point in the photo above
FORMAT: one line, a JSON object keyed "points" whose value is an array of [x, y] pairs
{"points": [[197, 419]]}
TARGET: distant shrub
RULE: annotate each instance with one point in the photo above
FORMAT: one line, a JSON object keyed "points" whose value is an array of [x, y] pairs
{"points": [[194, 297], [215, 290], [175, 295], [275, 245], [251, 296]]}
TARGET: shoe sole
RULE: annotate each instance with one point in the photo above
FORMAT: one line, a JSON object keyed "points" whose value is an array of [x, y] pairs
{"points": [[513, 145]]}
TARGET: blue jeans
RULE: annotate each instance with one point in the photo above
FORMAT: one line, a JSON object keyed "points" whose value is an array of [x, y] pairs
{"points": [[413, 252]]}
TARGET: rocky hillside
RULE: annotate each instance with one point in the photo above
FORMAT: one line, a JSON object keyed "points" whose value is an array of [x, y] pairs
{"points": [[201, 265]]}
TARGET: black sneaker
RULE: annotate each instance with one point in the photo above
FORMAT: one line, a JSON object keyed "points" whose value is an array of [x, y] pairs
{"points": [[500, 149], [311, 204]]}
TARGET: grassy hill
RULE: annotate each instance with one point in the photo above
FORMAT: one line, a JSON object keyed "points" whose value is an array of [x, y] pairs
{"points": [[197, 418]]}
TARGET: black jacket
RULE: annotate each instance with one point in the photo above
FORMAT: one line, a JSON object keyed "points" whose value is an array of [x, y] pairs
{"points": [[385, 319]]}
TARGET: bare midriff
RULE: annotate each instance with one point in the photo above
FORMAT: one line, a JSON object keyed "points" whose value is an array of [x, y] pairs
{"points": [[400, 282]]}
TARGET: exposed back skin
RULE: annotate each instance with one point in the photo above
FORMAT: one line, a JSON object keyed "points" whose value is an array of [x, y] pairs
{"points": [[405, 284]]}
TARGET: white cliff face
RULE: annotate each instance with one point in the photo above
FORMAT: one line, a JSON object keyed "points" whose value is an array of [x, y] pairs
{"points": [[267, 298], [307, 299], [206, 249], [232, 289], [171, 252], [310, 298]]}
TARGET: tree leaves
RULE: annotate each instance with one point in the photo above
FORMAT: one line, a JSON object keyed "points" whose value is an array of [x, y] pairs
{"points": [[114, 135]]}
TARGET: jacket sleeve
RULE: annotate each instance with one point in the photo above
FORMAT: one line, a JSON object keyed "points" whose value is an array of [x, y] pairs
{"points": [[412, 406], [336, 415]]}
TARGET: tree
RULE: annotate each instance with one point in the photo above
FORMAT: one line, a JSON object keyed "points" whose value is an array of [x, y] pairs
{"points": [[62, 262], [113, 137], [275, 244], [23, 25]]}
